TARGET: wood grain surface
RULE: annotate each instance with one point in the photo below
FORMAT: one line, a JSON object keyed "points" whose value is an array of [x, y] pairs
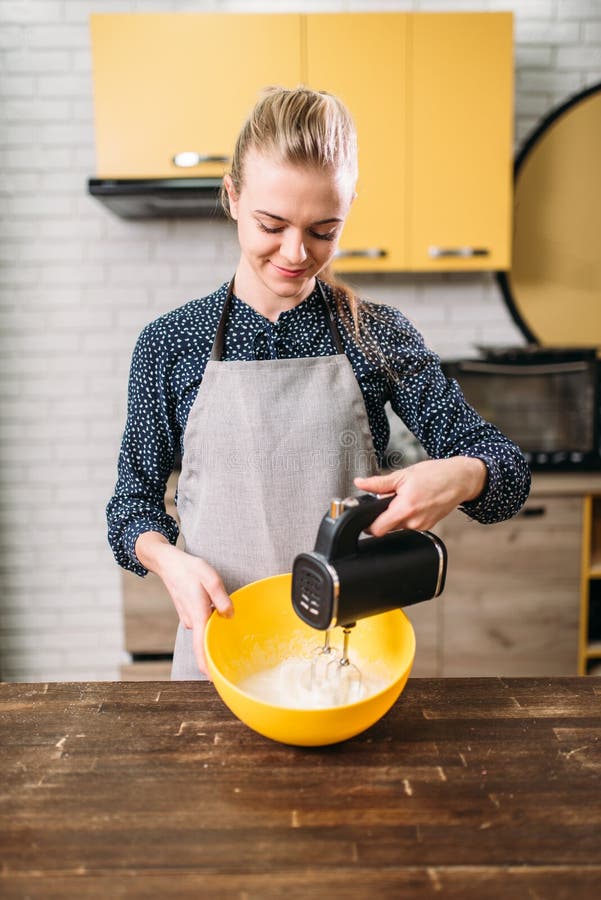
{"points": [[468, 788]]}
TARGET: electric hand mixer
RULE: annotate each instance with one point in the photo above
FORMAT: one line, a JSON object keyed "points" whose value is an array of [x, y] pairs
{"points": [[346, 578]]}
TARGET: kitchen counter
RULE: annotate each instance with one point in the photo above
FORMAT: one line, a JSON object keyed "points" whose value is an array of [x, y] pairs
{"points": [[467, 788], [566, 483]]}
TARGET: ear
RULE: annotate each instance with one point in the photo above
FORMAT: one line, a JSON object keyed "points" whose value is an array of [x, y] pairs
{"points": [[232, 195]]}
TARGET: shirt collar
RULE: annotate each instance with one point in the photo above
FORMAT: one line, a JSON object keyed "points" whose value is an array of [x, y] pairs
{"points": [[306, 315]]}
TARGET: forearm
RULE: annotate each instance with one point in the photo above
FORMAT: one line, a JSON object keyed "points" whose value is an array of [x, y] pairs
{"points": [[470, 475], [152, 549], [146, 457], [129, 517], [462, 434], [507, 487]]}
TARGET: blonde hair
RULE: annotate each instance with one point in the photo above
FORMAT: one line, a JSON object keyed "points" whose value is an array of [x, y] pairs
{"points": [[302, 127]]}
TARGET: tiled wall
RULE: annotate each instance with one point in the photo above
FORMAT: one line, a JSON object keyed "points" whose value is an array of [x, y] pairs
{"points": [[77, 285]]}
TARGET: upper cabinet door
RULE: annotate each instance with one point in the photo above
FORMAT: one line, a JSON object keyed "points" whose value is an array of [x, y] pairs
{"points": [[169, 84], [460, 127], [362, 59]]}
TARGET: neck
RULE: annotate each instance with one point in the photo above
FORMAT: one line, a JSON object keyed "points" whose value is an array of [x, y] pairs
{"points": [[264, 301]]}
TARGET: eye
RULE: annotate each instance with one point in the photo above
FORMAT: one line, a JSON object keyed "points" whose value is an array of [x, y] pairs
{"points": [[329, 236], [270, 230]]}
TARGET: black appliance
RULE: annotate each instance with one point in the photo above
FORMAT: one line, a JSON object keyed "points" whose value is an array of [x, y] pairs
{"points": [[150, 198], [344, 578], [546, 399]]}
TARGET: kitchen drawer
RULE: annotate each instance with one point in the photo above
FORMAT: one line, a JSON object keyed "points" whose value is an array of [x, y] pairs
{"points": [[511, 602], [147, 671], [426, 619], [150, 616], [150, 619]]}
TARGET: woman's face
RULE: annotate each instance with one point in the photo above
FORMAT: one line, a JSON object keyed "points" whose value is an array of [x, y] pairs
{"points": [[289, 222]]}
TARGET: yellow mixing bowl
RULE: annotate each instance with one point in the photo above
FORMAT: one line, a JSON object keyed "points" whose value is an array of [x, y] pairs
{"points": [[265, 630]]}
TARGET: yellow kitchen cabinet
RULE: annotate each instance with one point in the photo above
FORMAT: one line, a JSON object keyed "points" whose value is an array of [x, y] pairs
{"points": [[460, 139], [431, 94], [363, 59], [166, 84], [589, 645]]}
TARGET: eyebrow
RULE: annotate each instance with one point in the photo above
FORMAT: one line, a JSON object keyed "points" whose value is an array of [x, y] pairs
{"points": [[282, 219]]}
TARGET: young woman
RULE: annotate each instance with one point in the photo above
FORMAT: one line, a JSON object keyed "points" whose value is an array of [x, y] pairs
{"points": [[273, 388]]}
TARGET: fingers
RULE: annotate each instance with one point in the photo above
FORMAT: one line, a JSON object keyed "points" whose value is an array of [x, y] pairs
{"points": [[384, 523], [201, 615], [198, 645], [213, 596], [382, 484], [405, 511], [425, 493], [391, 521], [216, 591], [378, 484]]}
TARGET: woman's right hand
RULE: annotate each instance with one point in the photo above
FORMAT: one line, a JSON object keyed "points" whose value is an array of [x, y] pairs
{"points": [[194, 586]]}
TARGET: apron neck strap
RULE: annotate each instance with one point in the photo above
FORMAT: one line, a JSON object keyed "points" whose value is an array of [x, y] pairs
{"points": [[217, 351], [331, 320], [218, 343]]}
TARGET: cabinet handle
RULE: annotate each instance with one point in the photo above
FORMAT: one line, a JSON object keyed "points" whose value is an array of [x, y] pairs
{"points": [[438, 252], [531, 512], [188, 158], [369, 253]]}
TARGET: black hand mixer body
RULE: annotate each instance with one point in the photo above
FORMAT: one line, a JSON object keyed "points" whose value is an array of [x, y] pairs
{"points": [[346, 578]]}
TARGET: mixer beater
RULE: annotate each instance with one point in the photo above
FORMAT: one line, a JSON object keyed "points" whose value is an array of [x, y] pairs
{"points": [[345, 674], [332, 670], [321, 658]]}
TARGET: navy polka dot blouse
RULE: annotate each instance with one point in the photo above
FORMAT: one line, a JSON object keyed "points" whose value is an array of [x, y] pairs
{"points": [[167, 368]]}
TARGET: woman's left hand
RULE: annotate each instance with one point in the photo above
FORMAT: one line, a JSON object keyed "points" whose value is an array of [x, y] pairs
{"points": [[425, 492]]}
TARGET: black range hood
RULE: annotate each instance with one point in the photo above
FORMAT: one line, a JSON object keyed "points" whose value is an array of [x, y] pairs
{"points": [[152, 198]]}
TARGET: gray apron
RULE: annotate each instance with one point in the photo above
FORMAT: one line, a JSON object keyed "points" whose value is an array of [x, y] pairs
{"points": [[267, 445]]}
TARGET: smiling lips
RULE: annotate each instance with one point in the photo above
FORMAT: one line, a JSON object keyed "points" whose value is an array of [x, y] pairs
{"points": [[289, 273]]}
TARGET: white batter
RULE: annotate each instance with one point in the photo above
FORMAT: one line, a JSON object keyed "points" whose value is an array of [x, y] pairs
{"points": [[290, 684]]}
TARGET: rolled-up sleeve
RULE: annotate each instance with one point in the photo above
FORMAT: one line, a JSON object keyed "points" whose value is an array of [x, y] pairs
{"points": [[146, 457]]}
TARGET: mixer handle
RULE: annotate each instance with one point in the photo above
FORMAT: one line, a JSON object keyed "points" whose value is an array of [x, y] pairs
{"points": [[341, 526]]}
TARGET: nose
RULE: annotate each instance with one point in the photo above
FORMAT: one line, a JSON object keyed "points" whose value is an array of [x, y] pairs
{"points": [[292, 247]]}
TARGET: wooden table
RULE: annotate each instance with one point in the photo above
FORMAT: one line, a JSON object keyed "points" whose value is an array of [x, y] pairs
{"points": [[468, 788]]}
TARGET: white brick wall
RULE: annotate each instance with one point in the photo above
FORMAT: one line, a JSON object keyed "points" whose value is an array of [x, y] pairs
{"points": [[77, 285]]}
